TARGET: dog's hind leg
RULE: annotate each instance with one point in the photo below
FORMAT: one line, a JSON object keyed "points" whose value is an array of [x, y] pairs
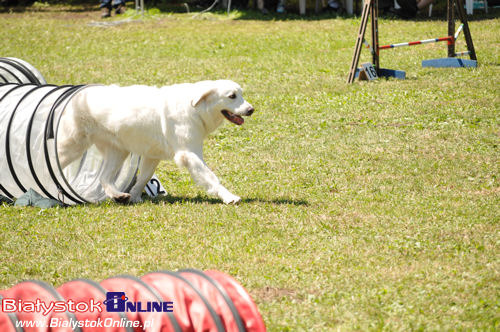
{"points": [[72, 140], [69, 150], [113, 160], [146, 170]]}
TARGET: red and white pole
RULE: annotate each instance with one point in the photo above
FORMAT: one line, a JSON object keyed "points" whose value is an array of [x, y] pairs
{"points": [[449, 39]]}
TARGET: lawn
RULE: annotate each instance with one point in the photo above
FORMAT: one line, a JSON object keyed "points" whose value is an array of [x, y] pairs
{"points": [[371, 206]]}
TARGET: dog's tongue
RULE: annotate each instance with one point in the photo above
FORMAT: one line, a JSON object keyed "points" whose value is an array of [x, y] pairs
{"points": [[236, 119]]}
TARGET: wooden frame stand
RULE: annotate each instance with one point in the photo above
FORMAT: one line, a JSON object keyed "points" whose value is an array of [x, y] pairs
{"points": [[370, 10]]}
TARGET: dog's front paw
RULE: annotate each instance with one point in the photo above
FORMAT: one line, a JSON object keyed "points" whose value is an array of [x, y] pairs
{"points": [[227, 197], [122, 198], [231, 199]]}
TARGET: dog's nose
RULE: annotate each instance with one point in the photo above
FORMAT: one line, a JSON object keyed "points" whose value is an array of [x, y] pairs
{"points": [[250, 111]]}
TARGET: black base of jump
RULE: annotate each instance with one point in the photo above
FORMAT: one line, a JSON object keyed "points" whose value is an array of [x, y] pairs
{"points": [[387, 73]]}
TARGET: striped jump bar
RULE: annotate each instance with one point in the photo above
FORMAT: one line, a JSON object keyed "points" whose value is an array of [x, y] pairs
{"points": [[450, 40], [459, 30]]}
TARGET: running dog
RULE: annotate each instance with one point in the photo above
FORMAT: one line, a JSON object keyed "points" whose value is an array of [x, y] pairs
{"points": [[170, 122]]}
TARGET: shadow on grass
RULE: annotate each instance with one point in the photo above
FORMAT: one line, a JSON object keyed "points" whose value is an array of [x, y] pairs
{"points": [[6, 202], [204, 199]]}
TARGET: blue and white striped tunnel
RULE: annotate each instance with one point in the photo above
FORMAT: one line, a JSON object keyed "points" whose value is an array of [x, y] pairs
{"points": [[30, 111]]}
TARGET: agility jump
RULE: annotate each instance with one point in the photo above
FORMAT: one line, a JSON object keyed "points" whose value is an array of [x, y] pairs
{"points": [[370, 9]]}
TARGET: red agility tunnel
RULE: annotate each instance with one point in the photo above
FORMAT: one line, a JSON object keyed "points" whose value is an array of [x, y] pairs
{"points": [[162, 301]]}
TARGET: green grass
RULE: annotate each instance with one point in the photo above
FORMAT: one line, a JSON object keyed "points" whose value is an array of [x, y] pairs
{"points": [[372, 206]]}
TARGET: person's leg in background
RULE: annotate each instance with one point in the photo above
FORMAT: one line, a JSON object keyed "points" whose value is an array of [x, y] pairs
{"points": [[105, 8], [119, 6]]}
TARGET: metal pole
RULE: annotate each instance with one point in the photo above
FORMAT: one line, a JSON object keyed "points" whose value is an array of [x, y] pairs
{"points": [[374, 21], [467, 34], [451, 27]]}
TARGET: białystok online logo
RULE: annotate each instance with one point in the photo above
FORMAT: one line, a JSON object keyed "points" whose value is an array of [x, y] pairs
{"points": [[115, 302], [118, 302]]}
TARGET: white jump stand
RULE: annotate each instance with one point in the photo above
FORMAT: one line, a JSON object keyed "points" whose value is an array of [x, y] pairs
{"points": [[349, 7], [469, 6], [302, 6], [139, 6]]}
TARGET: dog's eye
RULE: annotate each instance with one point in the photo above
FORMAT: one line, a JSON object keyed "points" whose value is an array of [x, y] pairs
{"points": [[233, 96]]}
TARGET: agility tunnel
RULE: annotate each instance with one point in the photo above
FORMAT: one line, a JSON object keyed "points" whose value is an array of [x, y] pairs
{"points": [[13, 70], [195, 301], [30, 111], [29, 119]]}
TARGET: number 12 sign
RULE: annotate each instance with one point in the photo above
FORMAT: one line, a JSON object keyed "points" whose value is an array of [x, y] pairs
{"points": [[154, 188]]}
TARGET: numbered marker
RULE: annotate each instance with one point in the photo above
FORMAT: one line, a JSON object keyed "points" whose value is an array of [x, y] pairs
{"points": [[154, 188], [369, 70]]}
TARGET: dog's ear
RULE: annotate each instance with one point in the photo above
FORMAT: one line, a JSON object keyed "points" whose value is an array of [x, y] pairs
{"points": [[201, 93]]}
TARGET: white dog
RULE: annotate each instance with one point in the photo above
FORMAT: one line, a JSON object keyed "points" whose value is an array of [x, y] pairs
{"points": [[155, 123]]}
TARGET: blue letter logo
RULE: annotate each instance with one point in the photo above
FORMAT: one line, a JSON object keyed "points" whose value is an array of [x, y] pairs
{"points": [[115, 301]]}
